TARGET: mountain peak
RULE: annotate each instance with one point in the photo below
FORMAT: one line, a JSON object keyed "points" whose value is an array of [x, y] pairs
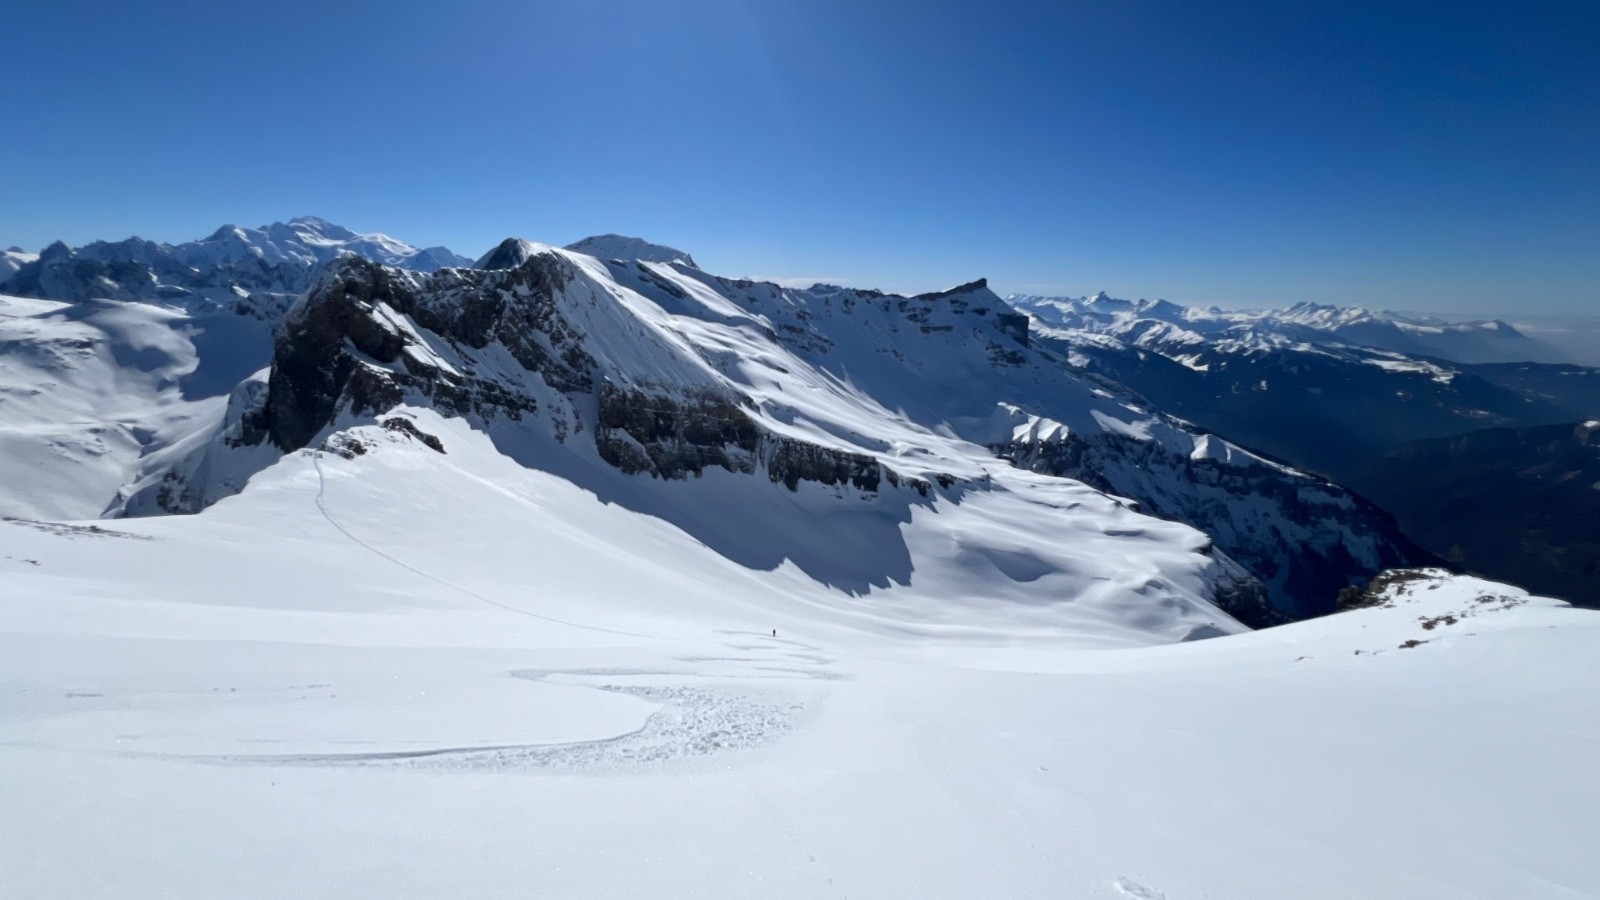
{"points": [[621, 246], [509, 254]]}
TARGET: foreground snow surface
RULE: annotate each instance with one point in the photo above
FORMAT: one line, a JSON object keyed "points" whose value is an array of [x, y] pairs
{"points": [[365, 679]]}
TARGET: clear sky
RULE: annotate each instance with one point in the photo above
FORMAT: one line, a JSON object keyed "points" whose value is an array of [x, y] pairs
{"points": [[1412, 155]]}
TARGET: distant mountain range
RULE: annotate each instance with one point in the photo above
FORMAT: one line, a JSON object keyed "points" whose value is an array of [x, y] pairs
{"points": [[1353, 394], [1160, 322]]}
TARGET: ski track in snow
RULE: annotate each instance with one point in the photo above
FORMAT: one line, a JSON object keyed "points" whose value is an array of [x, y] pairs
{"points": [[695, 721]]}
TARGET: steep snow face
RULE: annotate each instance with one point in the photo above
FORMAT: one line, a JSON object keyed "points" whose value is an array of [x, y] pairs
{"points": [[362, 672], [617, 246]]}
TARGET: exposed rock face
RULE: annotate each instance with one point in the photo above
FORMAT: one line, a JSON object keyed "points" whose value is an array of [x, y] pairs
{"points": [[312, 367], [674, 438], [1014, 324], [346, 353], [795, 461]]}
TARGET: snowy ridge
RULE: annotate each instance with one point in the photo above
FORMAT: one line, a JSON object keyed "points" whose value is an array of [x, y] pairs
{"points": [[663, 370], [617, 246]]}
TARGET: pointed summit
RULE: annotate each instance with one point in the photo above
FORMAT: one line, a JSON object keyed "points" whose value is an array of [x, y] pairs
{"points": [[509, 254]]}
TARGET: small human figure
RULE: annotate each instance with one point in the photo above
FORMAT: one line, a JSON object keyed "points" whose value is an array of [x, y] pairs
{"points": [[774, 632]]}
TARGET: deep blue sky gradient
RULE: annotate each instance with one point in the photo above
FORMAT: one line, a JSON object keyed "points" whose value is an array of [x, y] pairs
{"points": [[1420, 156]]}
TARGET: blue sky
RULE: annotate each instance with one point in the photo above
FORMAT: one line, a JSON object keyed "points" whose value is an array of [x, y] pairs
{"points": [[1419, 156]]}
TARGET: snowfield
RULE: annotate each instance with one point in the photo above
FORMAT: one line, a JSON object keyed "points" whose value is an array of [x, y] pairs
{"points": [[409, 674], [587, 573], [94, 393]]}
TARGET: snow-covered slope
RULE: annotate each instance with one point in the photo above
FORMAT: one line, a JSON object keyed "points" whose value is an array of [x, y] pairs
{"points": [[584, 576], [96, 395], [413, 672]]}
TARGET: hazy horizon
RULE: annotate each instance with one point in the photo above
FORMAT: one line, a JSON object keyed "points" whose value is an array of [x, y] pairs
{"points": [[1438, 159]]}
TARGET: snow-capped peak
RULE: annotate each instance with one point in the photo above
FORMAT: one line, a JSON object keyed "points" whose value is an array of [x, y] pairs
{"points": [[308, 241], [620, 246], [509, 254]]}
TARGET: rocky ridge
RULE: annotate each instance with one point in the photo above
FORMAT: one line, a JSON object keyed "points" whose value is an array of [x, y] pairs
{"points": [[663, 369]]}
